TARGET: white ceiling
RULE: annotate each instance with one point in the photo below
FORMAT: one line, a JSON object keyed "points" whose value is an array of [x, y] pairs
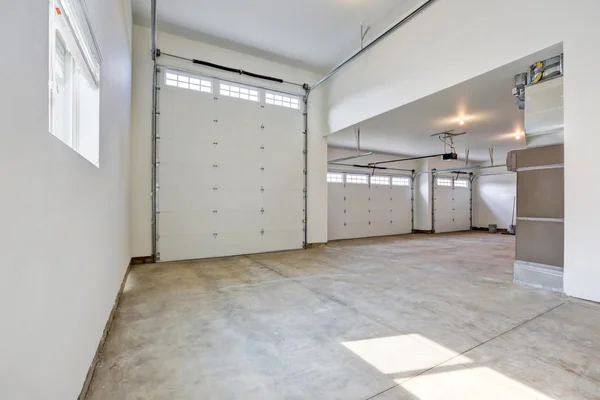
{"points": [[315, 34], [485, 103]]}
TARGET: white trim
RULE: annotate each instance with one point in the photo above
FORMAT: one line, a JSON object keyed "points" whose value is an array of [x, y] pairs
{"points": [[540, 219], [553, 166]]}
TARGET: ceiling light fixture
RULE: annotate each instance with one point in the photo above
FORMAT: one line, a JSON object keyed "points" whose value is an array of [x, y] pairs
{"points": [[518, 136], [462, 122]]}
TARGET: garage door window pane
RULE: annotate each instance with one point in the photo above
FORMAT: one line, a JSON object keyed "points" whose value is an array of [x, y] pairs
{"points": [[400, 181], [358, 179], [335, 177], [183, 81], [444, 182], [278, 99], [380, 180], [238, 91], [461, 183]]}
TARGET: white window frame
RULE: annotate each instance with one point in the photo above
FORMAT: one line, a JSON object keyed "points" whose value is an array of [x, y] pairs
{"points": [[284, 100], [239, 91], [380, 180], [357, 179], [401, 181], [74, 84], [187, 81], [335, 177]]}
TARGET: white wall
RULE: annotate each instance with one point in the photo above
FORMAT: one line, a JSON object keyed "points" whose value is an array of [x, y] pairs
{"points": [[65, 237], [406, 66], [142, 134], [493, 198]]}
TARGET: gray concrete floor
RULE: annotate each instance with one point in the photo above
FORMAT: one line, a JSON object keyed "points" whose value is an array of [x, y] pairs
{"points": [[409, 317]]}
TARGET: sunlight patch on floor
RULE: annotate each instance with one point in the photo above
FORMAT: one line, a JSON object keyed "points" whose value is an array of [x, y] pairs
{"points": [[404, 353], [470, 384]]}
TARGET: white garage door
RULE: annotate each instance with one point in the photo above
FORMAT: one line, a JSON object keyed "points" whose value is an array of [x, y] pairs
{"points": [[452, 204], [230, 173], [365, 206]]}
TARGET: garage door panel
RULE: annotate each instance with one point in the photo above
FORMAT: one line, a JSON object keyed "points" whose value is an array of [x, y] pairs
{"points": [[357, 229], [228, 198], [281, 239], [272, 199], [283, 160], [238, 221], [178, 196], [277, 219], [187, 223], [380, 215], [183, 247], [178, 173], [383, 228], [193, 151]]}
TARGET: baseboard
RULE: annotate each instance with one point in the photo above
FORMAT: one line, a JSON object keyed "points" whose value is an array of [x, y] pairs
{"points": [[539, 276], [315, 245], [90, 375], [429, 232], [142, 260], [486, 229]]}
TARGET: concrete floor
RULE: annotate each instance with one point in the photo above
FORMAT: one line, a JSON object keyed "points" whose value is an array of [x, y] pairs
{"points": [[411, 317]]}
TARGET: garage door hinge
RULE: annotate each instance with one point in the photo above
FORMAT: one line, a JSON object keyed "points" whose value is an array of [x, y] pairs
{"points": [[262, 147], [262, 127], [345, 224], [369, 222], [391, 222], [215, 188], [262, 232], [304, 151], [304, 132], [262, 189], [215, 143], [215, 211], [304, 172], [262, 210], [262, 168], [344, 211], [215, 235], [215, 120]]}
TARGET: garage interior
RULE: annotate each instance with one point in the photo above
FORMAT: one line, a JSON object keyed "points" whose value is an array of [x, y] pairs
{"points": [[300, 200]]}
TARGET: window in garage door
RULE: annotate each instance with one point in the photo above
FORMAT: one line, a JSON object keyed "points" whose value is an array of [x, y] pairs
{"points": [[230, 170]]}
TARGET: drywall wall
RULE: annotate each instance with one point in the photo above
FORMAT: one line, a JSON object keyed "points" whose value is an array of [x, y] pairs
{"points": [[141, 201], [493, 197], [406, 67], [65, 237]]}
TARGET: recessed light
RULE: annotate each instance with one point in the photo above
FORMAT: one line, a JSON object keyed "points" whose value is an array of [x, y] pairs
{"points": [[462, 122]]}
